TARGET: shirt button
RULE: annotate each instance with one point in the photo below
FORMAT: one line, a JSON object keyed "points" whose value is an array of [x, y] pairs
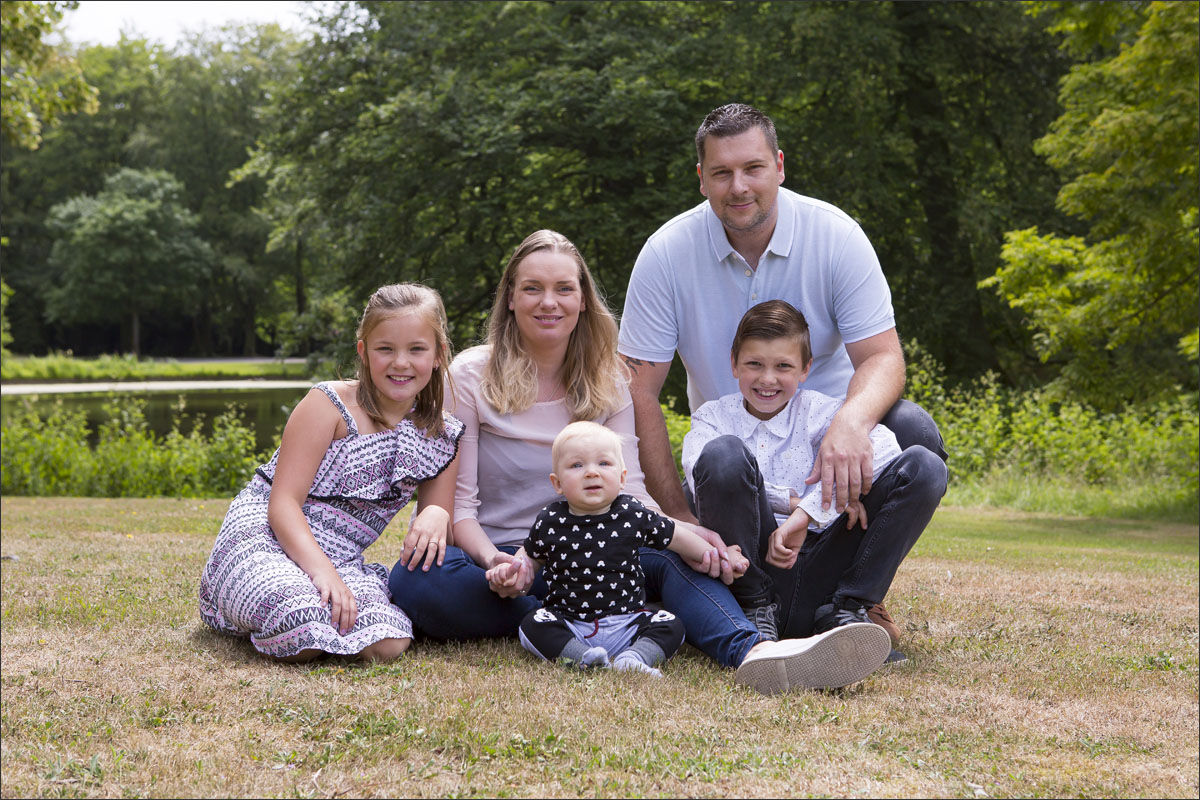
{"points": [[754, 296], [748, 273]]}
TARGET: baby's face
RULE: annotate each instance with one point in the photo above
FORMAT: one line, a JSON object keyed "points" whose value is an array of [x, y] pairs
{"points": [[589, 474]]}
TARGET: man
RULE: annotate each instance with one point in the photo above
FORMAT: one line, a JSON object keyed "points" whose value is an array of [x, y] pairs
{"points": [[753, 241]]}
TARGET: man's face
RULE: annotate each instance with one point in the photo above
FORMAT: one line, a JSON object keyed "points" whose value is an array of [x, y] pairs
{"points": [[740, 176]]}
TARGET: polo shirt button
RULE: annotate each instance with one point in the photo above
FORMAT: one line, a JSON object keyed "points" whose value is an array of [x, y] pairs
{"points": [[748, 273]]}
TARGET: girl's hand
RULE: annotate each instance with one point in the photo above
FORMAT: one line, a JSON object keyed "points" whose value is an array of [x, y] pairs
{"points": [[426, 538], [343, 609]]}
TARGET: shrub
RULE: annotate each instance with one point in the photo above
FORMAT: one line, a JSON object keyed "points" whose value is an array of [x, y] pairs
{"points": [[50, 455]]}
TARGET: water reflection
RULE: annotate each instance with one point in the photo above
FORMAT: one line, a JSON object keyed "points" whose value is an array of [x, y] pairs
{"points": [[264, 410]]}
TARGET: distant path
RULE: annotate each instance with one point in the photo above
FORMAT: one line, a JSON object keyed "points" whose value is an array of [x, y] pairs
{"points": [[100, 387]]}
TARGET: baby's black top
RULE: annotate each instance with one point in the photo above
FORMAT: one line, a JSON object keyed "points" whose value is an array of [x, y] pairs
{"points": [[591, 562]]}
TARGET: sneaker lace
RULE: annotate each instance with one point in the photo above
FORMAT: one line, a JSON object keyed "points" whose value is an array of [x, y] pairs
{"points": [[846, 616], [763, 618]]}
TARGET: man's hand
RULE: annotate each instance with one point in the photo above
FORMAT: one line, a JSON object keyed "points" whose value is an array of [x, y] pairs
{"points": [[844, 464]]}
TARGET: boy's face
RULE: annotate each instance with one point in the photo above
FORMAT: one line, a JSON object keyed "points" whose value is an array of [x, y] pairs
{"points": [[768, 372], [589, 474]]}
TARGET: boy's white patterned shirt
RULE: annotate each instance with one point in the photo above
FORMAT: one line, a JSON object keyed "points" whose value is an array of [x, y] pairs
{"points": [[784, 446]]}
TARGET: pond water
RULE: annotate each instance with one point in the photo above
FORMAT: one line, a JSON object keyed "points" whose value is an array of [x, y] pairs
{"points": [[264, 410]]}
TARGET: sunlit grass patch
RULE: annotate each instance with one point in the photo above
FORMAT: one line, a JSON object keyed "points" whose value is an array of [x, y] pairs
{"points": [[1049, 656]]}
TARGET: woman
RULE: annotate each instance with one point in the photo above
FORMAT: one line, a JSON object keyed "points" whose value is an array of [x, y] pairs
{"points": [[550, 359]]}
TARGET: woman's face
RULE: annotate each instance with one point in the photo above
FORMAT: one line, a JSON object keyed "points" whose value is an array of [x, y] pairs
{"points": [[546, 298]]}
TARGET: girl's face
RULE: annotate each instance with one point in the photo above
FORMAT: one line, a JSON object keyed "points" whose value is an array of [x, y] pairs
{"points": [[546, 298], [401, 353]]}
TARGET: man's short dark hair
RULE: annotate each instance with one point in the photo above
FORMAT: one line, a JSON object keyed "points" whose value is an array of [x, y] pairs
{"points": [[774, 319], [732, 119]]}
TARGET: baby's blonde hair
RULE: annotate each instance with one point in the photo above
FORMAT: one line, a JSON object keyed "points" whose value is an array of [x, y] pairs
{"points": [[580, 430]]}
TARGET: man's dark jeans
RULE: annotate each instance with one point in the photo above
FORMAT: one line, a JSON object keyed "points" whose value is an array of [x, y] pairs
{"points": [[835, 564]]}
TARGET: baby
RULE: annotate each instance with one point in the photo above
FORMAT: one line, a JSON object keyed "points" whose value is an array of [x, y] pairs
{"points": [[594, 614]]}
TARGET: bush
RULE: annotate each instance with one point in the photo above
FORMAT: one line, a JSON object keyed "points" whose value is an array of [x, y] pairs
{"points": [[1030, 450], [50, 455]]}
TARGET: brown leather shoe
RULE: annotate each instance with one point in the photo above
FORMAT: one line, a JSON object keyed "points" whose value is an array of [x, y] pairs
{"points": [[880, 616]]}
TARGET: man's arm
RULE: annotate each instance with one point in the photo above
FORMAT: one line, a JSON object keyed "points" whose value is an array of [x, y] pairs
{"points": [[654, 447], [844, 462]]}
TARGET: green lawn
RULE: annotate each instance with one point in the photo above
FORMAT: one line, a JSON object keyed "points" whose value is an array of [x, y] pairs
{"points": [[1049, 657]]}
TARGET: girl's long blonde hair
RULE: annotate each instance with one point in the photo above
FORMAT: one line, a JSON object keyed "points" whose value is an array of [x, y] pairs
{"points": [[592, 372], [401, 298]]}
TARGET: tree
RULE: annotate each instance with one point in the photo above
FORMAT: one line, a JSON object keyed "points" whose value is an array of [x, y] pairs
{"points": [[39, 82], [127, 252], [1118, 305], [424, 140]]}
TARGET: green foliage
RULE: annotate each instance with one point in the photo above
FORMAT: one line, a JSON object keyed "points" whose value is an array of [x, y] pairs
{"points": [[40, 82], [1028, 449], [49, 455], [130, 249], [1120, 304], [422, 141], [5, 334], [67, 367]]}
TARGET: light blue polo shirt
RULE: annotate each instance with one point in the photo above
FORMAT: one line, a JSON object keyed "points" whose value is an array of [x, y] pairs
{"points": [[690, 288]]}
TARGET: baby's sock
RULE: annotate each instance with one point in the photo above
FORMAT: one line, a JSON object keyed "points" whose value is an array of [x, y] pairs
{"points": [[594, 657], [631, 661]]}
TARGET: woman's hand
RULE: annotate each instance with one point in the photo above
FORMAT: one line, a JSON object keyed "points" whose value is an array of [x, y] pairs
{"points": [[715, 562], [343, 609], [426, 538], [513, 581]]}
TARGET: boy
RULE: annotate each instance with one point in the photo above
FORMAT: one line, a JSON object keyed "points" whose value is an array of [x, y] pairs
{"points": [[747, 461], [588, 544]]}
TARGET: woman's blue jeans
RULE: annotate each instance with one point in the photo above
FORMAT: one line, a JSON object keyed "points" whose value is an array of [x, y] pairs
{"points": [[453, 602]]}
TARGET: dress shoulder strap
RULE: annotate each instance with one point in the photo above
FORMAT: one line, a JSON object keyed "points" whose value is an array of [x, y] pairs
{"points": [[336, 399]]}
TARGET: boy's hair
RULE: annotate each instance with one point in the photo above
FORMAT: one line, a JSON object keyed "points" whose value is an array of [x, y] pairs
{"points": [[577, 430], [731, 120], [593, 374], [389, 301], [774, 319]]}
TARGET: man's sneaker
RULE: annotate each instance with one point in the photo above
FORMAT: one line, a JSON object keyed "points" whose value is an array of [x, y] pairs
{"points": [[766, 619], [829, 616], [880, 616], [838, 657]]}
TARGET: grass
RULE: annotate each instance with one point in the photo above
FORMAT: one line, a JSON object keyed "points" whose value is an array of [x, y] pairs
{"points": [[1049, 657], [65, 367]]}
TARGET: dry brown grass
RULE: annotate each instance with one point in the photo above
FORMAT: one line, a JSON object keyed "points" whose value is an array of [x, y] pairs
{"points": [[1049, 657]]}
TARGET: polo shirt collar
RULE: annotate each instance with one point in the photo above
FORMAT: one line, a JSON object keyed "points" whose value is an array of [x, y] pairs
{"points": [[781, 239]]}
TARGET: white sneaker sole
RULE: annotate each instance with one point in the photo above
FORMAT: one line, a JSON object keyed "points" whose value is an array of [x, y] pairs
{"points": [[830, 660]]}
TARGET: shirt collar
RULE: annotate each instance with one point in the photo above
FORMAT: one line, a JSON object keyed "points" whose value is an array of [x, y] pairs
{"points": [[781, 425], [781, 239]]}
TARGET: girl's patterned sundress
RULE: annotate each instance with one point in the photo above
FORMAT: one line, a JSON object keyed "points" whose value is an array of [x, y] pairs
{"points": [[251, 587]]}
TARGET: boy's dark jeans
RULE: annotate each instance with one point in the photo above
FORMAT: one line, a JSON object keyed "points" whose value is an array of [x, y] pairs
{"points": [[834, 564]]}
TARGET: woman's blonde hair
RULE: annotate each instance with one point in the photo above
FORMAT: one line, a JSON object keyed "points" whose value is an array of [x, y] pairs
{"points": [[592, 372], [389, 301]]}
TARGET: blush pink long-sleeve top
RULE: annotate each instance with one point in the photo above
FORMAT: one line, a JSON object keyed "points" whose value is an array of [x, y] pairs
{"points": [[504, 460]]}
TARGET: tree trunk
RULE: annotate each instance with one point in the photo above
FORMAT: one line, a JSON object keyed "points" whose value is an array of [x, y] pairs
{"points": [[135, 334]]}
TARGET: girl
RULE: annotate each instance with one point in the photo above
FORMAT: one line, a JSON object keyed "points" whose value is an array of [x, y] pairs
{"points": [[287, 569]]}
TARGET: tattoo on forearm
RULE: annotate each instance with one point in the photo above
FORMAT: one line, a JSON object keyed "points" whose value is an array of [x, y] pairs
{"points": [[634, 363]]}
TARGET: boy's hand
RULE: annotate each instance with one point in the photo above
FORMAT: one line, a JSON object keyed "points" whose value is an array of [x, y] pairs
{"points": [[500, 573], [786, 540]]}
